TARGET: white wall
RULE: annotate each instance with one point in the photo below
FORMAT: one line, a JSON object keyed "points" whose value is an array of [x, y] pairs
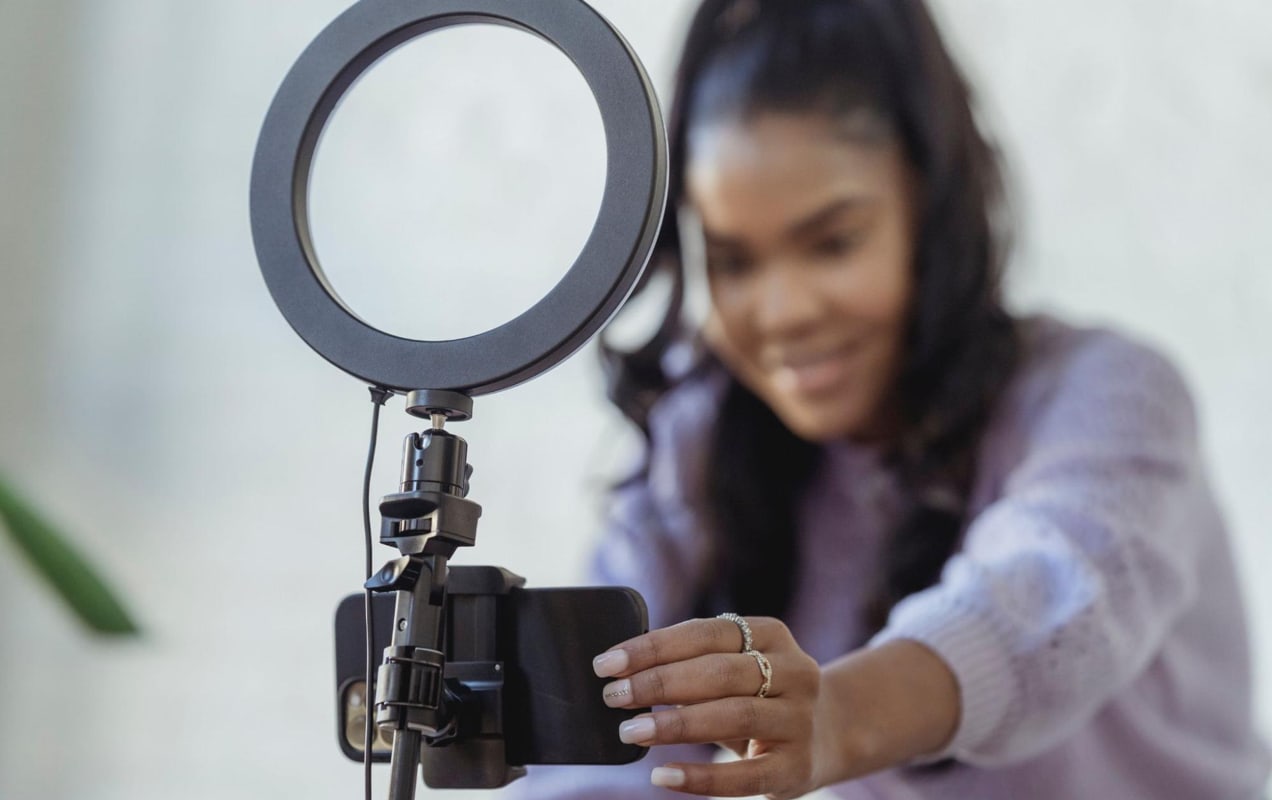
{"points": [[158, 405]]}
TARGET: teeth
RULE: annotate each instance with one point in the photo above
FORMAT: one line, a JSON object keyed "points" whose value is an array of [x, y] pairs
{"points": [[799, 363], [811, 374], [786, 379], [808, 362]]}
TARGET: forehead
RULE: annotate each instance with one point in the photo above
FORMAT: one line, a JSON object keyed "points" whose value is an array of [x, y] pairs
{"points": [[755, 175]]}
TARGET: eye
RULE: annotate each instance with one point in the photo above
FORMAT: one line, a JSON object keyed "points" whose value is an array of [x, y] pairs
{"points": [[837, 245], [727, 265]]}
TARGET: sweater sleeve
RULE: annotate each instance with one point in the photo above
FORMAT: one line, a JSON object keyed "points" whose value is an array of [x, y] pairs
{"points": [[652, 544], [1068, 583]]}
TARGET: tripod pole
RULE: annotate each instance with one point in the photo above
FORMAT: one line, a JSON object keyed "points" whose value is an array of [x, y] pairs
{"points": [[427, 519], [404, 768], [410, 696]]}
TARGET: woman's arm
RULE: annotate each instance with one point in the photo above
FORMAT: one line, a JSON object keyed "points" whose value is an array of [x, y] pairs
{"points": [[1065, 589], [902, 683], [1068, 584]]}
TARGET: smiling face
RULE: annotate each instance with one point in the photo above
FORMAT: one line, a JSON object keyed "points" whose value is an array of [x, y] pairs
{"points": [[809, 241]]}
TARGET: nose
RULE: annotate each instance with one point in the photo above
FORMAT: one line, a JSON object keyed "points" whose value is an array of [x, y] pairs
{"points": [[787, 303]]}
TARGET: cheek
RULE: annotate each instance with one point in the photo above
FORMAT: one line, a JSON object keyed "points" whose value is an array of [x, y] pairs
{"points": [[888, 311], [893, 312], [887, 288], [733, 299], [727, 330], [894, 299], [901, 286]]}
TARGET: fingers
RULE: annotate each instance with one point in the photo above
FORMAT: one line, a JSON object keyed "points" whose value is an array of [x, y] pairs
{"points": [[733, 718], [697, 637], [771, 736], [774, 774], [698, 667], [709, 677]]}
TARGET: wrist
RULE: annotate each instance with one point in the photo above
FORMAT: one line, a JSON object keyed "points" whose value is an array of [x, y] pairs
{"points": [[882, 707]]}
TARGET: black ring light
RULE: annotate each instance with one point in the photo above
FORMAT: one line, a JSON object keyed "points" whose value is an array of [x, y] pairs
{"points": [[582, 301]]}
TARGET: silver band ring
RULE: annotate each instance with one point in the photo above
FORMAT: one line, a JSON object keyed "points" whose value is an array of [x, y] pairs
{"points": [[748, 649], [766, 669], [747, 641]]}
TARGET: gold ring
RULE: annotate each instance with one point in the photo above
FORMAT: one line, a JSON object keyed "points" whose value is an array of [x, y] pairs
{"points": [[766, 669]]}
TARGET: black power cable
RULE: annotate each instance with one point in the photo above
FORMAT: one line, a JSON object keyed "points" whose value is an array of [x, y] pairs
{"points": [[378, 398]]}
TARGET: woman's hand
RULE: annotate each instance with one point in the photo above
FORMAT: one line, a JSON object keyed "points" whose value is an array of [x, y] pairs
{"points": [[699, 667], [872, 709]]}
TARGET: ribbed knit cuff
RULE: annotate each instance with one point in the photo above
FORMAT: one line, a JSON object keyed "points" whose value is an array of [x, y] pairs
{"points": [[969, 647]]}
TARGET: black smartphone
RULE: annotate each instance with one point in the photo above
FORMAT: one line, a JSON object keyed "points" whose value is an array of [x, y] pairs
{"points": [[542, 641]]}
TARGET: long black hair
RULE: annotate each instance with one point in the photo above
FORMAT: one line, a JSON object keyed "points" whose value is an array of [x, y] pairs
{"points": [[841, 57]]}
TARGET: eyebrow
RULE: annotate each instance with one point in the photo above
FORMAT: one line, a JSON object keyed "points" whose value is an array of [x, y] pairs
{"points": [[803, 226]]}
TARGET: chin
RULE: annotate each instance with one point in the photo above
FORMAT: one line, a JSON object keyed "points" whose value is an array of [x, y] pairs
{"points": [[821, 426]]}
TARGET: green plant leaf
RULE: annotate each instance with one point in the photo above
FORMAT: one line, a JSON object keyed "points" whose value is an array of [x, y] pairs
{"points": [[66, 571]]}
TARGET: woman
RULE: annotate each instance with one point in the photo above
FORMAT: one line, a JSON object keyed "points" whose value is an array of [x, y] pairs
{"points": [[998, 567]]}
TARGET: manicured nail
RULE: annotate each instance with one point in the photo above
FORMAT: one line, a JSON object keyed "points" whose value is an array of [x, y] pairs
{"points": [[635, 731], [670, 777], [618, 693], [609, 664]]}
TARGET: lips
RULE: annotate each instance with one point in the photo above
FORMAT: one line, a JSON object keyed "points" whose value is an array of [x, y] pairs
{"points": [[815, 372]]}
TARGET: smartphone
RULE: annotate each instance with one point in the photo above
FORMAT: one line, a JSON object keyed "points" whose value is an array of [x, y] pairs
{"points": [[538, 644]]}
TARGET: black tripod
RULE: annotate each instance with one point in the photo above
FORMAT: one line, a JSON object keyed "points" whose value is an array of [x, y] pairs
{"points": [[480, 675], [419, 698]]}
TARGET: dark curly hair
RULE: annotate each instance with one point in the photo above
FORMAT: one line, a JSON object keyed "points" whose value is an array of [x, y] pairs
{"points": [[838, 57]]}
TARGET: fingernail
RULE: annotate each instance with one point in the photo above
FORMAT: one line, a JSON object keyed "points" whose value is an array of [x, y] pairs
{"points": [[634, 731], [609, 664], [669, 777], [618, 693]]}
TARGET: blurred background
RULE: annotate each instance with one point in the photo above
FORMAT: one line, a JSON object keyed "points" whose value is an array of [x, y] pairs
{"points": [[158, 407]]}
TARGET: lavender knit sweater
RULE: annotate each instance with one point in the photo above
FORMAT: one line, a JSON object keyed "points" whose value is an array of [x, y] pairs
{"points": [[1091, 616]]}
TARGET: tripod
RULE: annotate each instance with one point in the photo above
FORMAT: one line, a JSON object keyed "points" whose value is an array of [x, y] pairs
{"points": [[419, 697]]}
